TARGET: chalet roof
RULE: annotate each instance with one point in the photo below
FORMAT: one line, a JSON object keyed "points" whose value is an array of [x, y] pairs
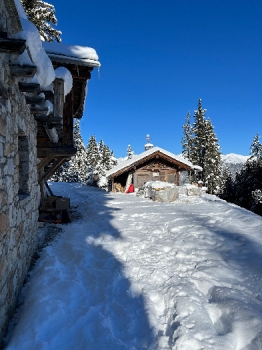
{"points": [[72, 54], [124, 166]]}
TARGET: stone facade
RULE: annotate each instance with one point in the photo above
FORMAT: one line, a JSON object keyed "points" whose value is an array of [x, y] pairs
{"points": [[18, 178]]}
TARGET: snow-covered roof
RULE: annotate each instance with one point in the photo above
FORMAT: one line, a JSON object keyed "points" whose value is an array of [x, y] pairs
{"points": [[140, 156], [45, 73], [79, 55]]}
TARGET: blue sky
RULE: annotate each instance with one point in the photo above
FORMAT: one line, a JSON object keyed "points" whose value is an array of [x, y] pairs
{"points": [[158, 58]]}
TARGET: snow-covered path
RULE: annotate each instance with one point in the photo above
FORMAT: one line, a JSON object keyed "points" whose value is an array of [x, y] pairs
{"points": [[134, 274]]}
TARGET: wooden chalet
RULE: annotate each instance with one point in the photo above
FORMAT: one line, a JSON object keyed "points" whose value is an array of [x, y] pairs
{"points": [[155, 164], [55, 144]]}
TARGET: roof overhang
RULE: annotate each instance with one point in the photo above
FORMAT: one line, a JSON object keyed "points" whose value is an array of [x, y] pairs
{"points": [[156, 154]]}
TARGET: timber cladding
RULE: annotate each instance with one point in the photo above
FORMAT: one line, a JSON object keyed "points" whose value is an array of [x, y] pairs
{"points": [[156, 171], [156, 166]]}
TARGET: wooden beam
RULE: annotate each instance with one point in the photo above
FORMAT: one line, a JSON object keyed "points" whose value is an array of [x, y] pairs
{"points": [[43, 151], [82, 76], [16, 46], [25, 71], [59, 97], [52, 169], [29, 87], [47, 119], [39, 109], [49, 189], [68, 120], [35, 99], [44, 162], [80, 109], [42, 192]]}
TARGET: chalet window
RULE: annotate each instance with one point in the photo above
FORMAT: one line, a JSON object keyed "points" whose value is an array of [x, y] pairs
{"points": [[23, 152]]}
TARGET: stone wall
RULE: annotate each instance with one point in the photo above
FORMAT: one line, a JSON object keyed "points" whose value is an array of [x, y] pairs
{"points": [[18, 181]]}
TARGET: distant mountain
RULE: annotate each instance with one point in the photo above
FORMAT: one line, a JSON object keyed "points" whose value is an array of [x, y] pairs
{"points": [[234, 162]]}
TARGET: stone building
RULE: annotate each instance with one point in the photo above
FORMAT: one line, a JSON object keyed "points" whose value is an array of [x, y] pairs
{"points": [[31, 116]]}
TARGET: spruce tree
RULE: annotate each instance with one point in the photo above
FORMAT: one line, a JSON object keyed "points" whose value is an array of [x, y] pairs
{"points": [[93, 154], [205, 151], [248, 180], [199, 144], [77, 168], [187, 138], [228, 188], [212, 161], [42, 14], [129, 152], [256, 148], [247, 186], [105, 158]]}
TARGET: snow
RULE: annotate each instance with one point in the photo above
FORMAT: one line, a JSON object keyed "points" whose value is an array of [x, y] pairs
{"points": [[45, 72], [159, 184], [78, 53], [135, 274], [123, 164], [20, 9], [233, 158], [24, 59], [63, 73], [49, 105]]}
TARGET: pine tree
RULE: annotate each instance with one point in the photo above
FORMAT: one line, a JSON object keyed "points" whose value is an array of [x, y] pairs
{"points": [[248, 180], [245, 190], [212, 161], [228, 189], [42, 14], [129, 152], [77, 168], [93, 155], [256, 148], [187, 138], [79, 162], [199, 137], [106, 156], [205, 151]]}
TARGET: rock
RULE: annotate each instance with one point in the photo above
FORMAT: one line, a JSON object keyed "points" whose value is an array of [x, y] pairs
{"points": [[193, 190], [161, 194]]}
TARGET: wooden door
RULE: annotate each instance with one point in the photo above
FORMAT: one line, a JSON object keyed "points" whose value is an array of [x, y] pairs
{"points": [[141, 179]]}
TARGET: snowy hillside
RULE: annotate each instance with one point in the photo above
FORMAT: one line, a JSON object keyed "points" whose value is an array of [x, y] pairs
{"points": [[135, 274], [234, 162]]}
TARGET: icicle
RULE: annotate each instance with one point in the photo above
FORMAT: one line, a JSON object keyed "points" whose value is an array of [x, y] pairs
{"points": [[98, 72]]}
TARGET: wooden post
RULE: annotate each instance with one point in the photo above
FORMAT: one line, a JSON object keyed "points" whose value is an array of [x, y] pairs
{"points": [[52, 169], [59, 96], [42, 192], [43, 163]]}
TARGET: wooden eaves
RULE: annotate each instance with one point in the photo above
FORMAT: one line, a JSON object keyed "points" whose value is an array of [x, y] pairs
{"points": [[51, 155], [156, 154]]}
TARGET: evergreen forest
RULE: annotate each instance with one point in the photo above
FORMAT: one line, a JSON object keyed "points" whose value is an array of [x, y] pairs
{"points": [[200, 146]]}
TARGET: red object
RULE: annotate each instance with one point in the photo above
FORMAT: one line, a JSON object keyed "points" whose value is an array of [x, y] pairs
{"points": [[130, 189]]}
